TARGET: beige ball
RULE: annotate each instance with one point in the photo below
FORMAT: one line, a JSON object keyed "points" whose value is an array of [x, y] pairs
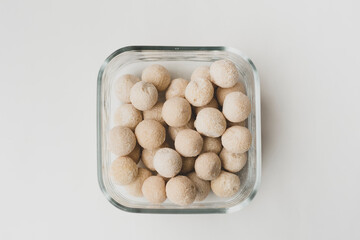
{"points": [[232, 162], [155, 113], [213, 103], [153, 189], [173, 131], [199, 92], [187, 165], [127, 116], [122, 141], [202, 186], [176, 88], [135, 154], [212, 145], [236, 139], [237, 107], [123, 170], [208, 166], [157, 75], [181, 190], [201, 72], [123, 86], [150, 134], [222, 92], [226, 184], [147, 156], [176, 112], [167, 162], [188, 143], [210, 122], [143, 95], [134, 188], [224, 73]]}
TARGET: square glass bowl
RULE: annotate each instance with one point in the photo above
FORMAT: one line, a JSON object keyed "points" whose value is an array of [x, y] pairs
{"points": [[180, 61]]}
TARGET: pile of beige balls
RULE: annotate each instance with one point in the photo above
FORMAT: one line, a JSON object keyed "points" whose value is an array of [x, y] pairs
{"points": [[190, 143]]}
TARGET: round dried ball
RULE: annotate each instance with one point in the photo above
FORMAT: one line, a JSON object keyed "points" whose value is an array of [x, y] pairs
{"points": [[232, 162], [176, 88], [134, 188], [127, 115], [167, 162], [201, 72], [135, 154], [222, 92], [213, 103], [210, 122], [236, 139], [173, 131], [188, 143], [155, 113], [224, 73], [157, 75], [150, 134], [181, 190], [147, 156], [153, 189], [143, 95], [202, 186], [208, 166], [187, 165], [123, 170], [212, 145], [123, 86], [176, 112], [237, 107], [122, 141], [226, 184], [199, 92]]}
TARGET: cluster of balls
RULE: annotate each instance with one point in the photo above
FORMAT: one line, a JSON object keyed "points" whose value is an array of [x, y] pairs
{"points": [[190, 143]]}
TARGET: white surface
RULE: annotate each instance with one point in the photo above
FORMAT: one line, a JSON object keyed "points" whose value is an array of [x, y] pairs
{"points": [[307, 53]]}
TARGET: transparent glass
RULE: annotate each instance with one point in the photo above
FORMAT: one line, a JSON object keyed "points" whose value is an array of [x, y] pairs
{"points": [[181, 61]]}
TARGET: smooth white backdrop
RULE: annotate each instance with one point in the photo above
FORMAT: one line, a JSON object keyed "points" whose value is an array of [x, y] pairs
{"points": [[308, 57]]}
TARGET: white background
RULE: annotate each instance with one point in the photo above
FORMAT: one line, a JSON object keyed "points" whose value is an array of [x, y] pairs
{"points": [[308, 57]]}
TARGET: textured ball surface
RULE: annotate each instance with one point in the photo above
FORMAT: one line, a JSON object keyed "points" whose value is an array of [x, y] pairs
{"points": [[237, 107], [167, 162], [232, 162], [226, 184], [176, 112], [176, 88], [210, 122], [154, 189], [135, 154], [143, 95], [236, 139], [212, 145], [208, 166], [155, 113], [187, 165], [181, 190], [157, 75], [127, 115], [188, 143], [122, 141], [173, 131], [213, 103], [123, 170], [199, 92], [150, 134], [224, 73]]}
